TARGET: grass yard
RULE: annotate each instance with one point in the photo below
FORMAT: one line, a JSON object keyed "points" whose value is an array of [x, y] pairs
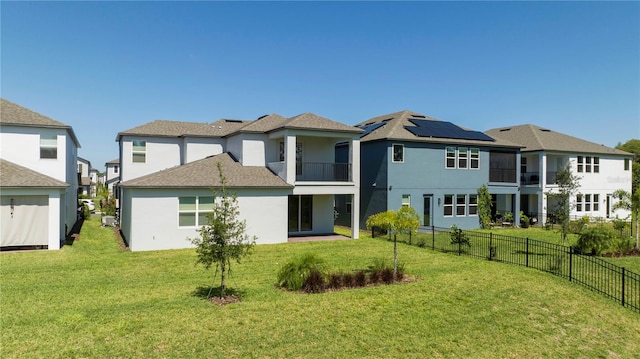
{"points": [[93, 300]]}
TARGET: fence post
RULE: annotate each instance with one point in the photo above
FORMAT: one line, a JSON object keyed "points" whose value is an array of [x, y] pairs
{"points": [[433, 237], [623, 274], [570, 264], [527, 253]]}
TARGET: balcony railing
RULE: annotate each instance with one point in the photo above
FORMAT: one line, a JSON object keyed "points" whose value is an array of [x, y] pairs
{"points": [[502, 175], [317, 171], [529, 178]]}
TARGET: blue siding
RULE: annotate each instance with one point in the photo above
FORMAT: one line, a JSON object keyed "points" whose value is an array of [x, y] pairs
{"points": [[373, 169]]}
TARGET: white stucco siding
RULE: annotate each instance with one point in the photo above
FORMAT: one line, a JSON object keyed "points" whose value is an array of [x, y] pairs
{"points": [[234, 146], [253, 152], [153, 222], [318, 149], [161, 153], [21, 145], [323, 216], [199, 148]]}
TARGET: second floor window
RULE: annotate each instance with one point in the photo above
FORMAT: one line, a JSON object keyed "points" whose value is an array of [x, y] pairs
{"points": [[626, 164], [475, 158], [450, 159], [462, 157], [406, 200], [49, 146], [398, 153], [588, 164], [115, 169], [139, 152], [463, 154]]}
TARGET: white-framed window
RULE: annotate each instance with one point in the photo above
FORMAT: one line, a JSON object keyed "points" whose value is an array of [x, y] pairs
{"points": [[461, 205], [579, 203], [596, 202], [398, 152], [587, 203], [193, 210], [580, 164], [463, 157], [49, 146], [115, 169], [406, 200], [473, 204], [596, 165], [281, 151], [448, 205], [475, 158], [450, 157], [139, 151], [587, 164], [627, 162]]}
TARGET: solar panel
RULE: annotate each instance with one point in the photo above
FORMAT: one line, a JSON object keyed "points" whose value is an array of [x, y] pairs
{"points": [[370, 128], [443, 129]]}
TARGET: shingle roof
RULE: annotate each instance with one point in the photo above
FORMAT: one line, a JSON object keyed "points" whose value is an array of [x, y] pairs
{"points": [[166, 128], [13, 114], [535, 138], [204, 174], [394, 129], [264, 123], [15, 176], [310, 121], [113, 162]]}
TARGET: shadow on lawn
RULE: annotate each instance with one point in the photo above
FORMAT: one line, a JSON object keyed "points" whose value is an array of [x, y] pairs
{"points": [[206, 292], [74, 233]]}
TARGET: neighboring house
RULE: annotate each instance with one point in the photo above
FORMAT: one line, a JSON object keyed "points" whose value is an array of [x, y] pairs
{"points": [[38, 180], [436, 167], [95, 177], [282, 169], [84, 177], [601, 169], [112, 174]]}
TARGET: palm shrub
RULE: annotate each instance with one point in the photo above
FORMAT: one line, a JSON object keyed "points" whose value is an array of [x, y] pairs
{"points": [[293, 274], [315, 282], [595, 240]]}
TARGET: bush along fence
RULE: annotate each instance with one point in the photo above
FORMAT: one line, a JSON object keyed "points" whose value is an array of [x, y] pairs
{"points": [[594, 273]]}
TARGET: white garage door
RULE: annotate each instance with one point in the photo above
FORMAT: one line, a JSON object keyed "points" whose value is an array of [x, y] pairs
{"points": [[24, 220]]}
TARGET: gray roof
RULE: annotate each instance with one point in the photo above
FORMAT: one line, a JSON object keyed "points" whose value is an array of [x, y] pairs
{"points": [[15, 176], [310, 121], [394, 129], [113, 162], [535, 138], [13, 114], [204, 174]]}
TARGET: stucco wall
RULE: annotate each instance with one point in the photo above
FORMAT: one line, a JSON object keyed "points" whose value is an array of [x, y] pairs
{"points": [[199, 148], [161, 153]]}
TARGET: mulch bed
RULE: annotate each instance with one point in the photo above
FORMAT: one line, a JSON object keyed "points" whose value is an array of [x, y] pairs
{"points": [[227, 299]]}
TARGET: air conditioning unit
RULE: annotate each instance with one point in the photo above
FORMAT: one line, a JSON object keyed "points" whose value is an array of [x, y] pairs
{"points": [[108, 221]]}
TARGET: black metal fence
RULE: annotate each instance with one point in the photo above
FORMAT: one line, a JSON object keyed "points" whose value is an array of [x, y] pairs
{"points": [[594, 273]]}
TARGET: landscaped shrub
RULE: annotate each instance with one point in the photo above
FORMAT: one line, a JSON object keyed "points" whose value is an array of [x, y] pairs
{"points": [[387, 275], [360, 278], [293, 274], [621, 245], [459, 237], [315, 282], [594, 241], [375, 277], [421, 243], [86, 213], [335, 280], [348, 280]]}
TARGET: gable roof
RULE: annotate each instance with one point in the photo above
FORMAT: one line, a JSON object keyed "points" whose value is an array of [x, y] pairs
{"points": [[204, 174], [393, 126], [535, 138], [164, 128], [13, 114], [15, 176], [310, 121], [113, 162]]}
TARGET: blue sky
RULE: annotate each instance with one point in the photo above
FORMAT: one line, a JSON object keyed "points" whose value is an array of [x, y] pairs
{"points": [[105, 67]]}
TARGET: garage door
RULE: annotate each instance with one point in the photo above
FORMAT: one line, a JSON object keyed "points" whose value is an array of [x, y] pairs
{"points": [[24, 220]]}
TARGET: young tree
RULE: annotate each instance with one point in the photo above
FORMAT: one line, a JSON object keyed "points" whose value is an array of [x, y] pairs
{"points": [[224, 237], [629, 202], [484, 207], [560, 200], [405, 220]]}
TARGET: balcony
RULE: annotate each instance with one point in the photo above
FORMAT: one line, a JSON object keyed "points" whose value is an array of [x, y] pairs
{"points": [[529, 178], [318, 171]]}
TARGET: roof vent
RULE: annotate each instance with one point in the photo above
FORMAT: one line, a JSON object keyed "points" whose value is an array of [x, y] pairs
{"points": [[387, 120], [263, 116], [418, 116], [545, 130], [233, 121], [505, 129]]}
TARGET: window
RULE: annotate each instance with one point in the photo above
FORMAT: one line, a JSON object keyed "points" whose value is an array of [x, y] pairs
{"points": [[596, 202], [450, 157], [626, 164], [348, 207], [139, 151], [461, 205], [587, 203], [587, 165], [281, 151], [473, 204], [115, 169], [463, 155], [448, 205], [579, 203], [192, 211], [398, 153], [475, 158], [580, 164], [523, 165], [406, 200], [596, 165], [49, 146]]}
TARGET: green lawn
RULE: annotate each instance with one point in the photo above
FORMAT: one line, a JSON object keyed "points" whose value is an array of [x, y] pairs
{"points": [[94, 300]]}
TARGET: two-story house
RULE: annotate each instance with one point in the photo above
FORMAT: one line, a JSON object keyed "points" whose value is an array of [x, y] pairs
{"points": [[436, 167], [84, 177], [38, 179], [112, 174], [283, 171], [601, 170]]}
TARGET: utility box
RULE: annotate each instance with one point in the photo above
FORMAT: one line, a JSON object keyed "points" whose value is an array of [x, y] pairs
{"points": [[108, 221]]}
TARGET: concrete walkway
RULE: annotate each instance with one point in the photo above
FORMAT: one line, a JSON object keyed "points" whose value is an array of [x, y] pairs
{"points": [[326, 237]]}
